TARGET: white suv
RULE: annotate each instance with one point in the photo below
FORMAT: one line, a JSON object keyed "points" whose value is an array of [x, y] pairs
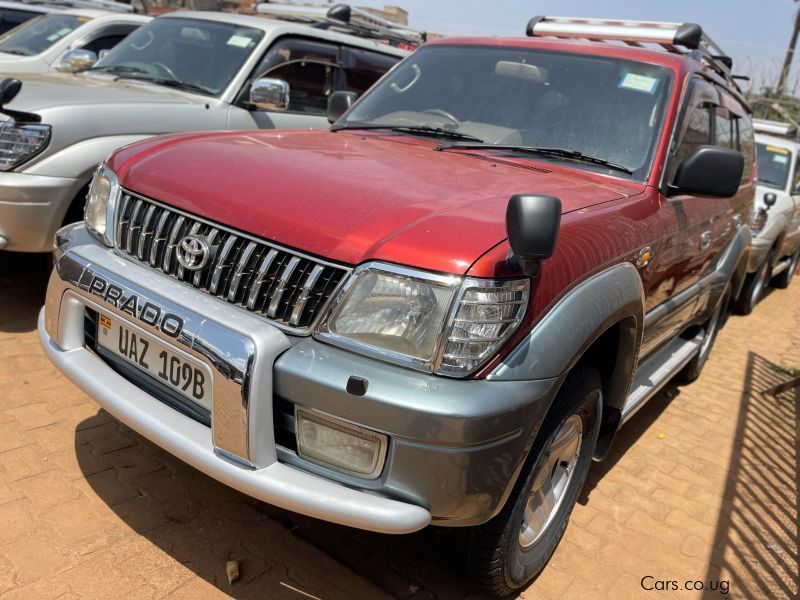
{"points": [[775, 224]]}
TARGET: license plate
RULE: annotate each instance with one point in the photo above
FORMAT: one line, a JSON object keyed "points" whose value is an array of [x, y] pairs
{"points": [[168, 365]]}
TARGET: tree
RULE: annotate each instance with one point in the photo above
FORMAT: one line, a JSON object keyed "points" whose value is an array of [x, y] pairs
{"points": [[787, 63]]}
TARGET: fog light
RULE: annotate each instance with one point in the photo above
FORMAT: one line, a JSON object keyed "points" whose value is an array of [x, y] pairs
{"points": [[339, 445]]}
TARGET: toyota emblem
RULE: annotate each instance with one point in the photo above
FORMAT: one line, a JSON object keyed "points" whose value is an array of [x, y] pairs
{"points": [[193, 253]]}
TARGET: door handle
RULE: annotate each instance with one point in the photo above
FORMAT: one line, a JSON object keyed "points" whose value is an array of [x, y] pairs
{"points": [[705, 240]]}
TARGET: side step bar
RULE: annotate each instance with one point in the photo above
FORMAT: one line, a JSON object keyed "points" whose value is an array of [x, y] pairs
{"points": [[656, 372]]}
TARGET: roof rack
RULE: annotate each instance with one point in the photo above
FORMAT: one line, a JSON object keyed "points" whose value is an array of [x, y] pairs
{"points": [[775, 128], [110, 5], [343, 18], [687, 39]]}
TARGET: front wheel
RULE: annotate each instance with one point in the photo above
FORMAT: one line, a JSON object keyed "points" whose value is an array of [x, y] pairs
{"points": [[509, 551], [754, 287], [783, 280]]}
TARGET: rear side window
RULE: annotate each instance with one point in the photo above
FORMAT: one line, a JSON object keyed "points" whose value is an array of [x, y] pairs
{"points": [[724, 129], [747, 145]]}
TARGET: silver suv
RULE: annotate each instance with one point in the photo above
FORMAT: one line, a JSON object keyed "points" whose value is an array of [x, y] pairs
{"points": [[184, 71]]}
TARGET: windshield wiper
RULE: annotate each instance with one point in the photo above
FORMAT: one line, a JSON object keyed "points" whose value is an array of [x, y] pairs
{"points": [[548, 152], [414, 129], [114, 69], [16, 52], [175, 83]]}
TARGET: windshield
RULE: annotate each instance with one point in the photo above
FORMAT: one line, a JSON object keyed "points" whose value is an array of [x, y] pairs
{"points": [[198, 55], [773, 166], [38, 34], [605, 108]]}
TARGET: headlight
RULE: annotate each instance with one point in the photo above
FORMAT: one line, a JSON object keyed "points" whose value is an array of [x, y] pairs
{"points": [[100, 203], [19, 142], [435, 323]]}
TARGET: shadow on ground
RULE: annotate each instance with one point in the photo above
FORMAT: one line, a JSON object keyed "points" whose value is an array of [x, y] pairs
{"points": [[201, 524], [23, 282], [757, 536]]}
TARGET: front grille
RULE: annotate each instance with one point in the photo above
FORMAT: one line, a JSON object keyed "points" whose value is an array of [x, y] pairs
{"points": [[287, 288]]}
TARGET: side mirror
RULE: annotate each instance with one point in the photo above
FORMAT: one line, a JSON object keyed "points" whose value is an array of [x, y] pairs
{"points": [[339, 103], [710, 171], [77, 60], [268, 93], [532, 225], [770, 199], [9, 88]]}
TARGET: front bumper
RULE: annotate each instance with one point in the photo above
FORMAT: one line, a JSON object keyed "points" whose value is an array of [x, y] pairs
{"points": [[32, 208], [456, 447]]}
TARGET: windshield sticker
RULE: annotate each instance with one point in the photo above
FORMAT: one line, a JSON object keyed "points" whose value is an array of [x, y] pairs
{"points": [[780, 159], [640, 83], [58, 34], [777, 150], [240, 41]]}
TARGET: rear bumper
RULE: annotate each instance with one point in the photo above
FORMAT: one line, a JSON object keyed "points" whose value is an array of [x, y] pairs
{"points": [[456, 447], [32, 208]]}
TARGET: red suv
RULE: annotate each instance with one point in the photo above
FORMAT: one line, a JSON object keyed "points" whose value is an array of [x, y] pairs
{"points": [[442, 309]]}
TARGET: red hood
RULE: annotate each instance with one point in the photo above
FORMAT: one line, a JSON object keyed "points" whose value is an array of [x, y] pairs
{"points": [[351, 197]]}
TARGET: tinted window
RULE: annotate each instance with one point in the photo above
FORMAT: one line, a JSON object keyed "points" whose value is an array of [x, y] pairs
{"points": [[724, 130], [746, 145], [695, 129], [310, 85], [109, 36], [363, 68], [774, 164], [10, 18], [37, 35], [602, 107], [198, 53], [309, 67]]}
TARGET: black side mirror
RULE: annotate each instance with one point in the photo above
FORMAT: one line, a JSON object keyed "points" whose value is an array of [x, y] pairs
{"points": [[9, 88], [710, 171], [532, 225], [339, 12], [339, 103], [770, 199]]}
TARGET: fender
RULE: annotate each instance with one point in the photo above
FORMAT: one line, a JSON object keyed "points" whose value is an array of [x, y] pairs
{"points": [[732, 264], [558, 341], [79, 160]]}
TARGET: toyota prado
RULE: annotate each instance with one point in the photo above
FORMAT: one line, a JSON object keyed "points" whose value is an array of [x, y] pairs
{"points": [[440, 310]]}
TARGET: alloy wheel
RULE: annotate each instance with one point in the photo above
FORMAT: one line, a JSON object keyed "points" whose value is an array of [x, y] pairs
{"points": [[552, 481]]}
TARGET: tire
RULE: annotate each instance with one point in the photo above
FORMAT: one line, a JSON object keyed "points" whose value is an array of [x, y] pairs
{"points": [[508, 552], [753, 289], [783, 280], [693, 369]]}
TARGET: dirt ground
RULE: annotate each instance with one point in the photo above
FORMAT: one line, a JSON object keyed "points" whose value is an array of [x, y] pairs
{"points": [[701, 489]]}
